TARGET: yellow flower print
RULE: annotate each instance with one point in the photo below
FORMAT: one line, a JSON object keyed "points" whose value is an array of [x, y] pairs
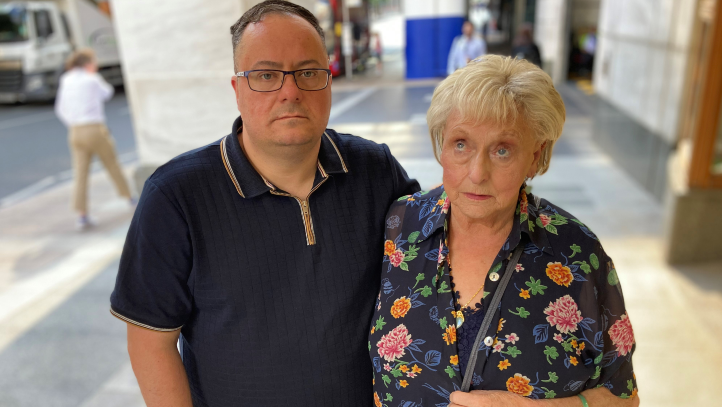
{"points": [[416, 369], [581, 346], [561, 275], [450, 335], [573, 360], [524, 294], [504, 364], [404, 368], [519, 385], [377, 400], [403, 383], [373, 329], [389, 248], [574, 343], [501, 325], [454, 360], [401, 307]]}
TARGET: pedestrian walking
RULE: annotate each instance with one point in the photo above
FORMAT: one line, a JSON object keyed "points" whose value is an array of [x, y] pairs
{"points": [[80, 106], [525, 47], [466, 47]]}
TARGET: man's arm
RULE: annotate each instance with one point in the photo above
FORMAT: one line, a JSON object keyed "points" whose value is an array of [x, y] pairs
{"points": [[600, 397], [158, 367]]}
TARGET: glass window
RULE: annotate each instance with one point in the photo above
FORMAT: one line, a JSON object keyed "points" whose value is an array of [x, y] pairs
{"points": [[42, 24], [13, 24]]}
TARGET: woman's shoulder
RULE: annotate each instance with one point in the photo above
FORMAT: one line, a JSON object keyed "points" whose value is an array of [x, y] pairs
{"points": [[416, 211], [561, 227]]}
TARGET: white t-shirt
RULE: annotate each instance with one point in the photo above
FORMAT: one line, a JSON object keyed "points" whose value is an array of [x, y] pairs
{"points": [[81, 96]]}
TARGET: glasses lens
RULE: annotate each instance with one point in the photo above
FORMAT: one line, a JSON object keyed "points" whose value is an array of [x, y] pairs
{"points": [[311, 79], [265, 80]]}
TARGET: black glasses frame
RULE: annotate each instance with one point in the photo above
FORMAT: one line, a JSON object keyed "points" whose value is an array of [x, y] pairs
{"points": [[283, 80]]}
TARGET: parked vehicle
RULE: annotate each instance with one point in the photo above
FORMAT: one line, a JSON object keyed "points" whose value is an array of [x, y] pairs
{"points": [[36, 37]]}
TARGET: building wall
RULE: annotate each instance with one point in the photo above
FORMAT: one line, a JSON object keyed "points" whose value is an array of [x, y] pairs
{"points": [[551, 34], [641, 59], [177, 64]]}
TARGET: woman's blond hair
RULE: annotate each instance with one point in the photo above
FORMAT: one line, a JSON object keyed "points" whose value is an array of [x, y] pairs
{"points": [[500, 91]]}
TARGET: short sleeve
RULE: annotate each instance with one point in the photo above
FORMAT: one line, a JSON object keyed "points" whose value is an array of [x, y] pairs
{"points": [[614, 368], [152, 287], [403, 185]]}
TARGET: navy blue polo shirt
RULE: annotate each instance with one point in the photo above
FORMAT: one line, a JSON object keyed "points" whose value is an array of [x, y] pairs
{"points": [[273, 294]]}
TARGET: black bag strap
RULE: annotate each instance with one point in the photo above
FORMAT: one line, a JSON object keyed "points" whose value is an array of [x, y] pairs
{"points": [[466, 384]]}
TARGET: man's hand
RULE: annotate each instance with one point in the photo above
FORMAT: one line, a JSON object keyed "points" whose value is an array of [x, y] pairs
{"points": [[158, 367], [600, 397]]}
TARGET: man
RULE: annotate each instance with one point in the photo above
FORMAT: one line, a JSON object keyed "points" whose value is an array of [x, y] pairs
{"points": [[262, 249], [465, 48], [79, 105]]}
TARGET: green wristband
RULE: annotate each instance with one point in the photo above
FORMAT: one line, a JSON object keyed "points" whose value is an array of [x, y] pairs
{"points": [[584, 400]]}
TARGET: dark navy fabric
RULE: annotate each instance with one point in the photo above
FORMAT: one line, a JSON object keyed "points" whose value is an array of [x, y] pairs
{"points": [[267, 319]]}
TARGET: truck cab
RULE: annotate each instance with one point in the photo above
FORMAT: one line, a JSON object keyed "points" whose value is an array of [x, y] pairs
{"points": [[36, 37]]}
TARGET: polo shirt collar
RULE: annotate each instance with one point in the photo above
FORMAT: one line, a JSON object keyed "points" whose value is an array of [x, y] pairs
{"points": [[249, 183]]}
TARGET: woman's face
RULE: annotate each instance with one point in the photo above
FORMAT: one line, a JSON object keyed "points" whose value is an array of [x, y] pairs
{"points": [[485, 165]]}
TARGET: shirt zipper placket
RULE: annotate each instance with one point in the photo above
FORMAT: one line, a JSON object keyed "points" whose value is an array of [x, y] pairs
{"points": [[305, 212]]}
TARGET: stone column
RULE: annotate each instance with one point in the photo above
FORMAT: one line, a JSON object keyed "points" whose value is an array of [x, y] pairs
{"points": [[177, 64]]}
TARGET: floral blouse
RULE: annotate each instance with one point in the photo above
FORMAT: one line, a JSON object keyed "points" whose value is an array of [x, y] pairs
{"points": [[562, 326]]}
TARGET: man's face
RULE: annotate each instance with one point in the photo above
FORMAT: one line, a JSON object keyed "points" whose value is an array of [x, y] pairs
{"points": [[467, 29], [288, 116]]}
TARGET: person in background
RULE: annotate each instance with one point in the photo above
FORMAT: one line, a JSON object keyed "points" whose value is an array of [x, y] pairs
{"points": [[524, 46], [467, 46], [79, 105]]}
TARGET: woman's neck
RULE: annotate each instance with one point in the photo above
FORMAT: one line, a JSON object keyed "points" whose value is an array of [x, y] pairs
{"points": [[490, 229]]}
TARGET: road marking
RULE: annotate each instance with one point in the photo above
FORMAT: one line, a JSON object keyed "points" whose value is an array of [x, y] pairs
{"points": [[341, 107], [25, 120], [26, 302], [56, 180]]}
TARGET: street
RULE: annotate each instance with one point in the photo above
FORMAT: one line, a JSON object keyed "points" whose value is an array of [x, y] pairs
{"points": [[59, 345]]}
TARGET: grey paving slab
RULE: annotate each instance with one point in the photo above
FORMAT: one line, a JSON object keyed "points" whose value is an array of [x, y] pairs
{"points": [[67, 356]]}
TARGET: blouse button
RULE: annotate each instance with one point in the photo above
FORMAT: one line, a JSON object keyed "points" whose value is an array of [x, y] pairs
{"points": [[494, 276], [488, 341]]}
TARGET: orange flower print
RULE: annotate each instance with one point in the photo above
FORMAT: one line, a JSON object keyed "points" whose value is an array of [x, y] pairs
{"points": [[401, 307], [524, 294], [373, 329], [581, 346], [519, 385], [403, 383], [450, 335], [504, 364], [416, 369], [573, 360], [404, 368], [634, 394], [454, 360], [501, 325], [574, 343], [389, 248], [377, 400], [560, 274]]}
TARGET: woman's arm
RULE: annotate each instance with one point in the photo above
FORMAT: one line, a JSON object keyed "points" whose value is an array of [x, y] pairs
{"points": [[600, 397]]}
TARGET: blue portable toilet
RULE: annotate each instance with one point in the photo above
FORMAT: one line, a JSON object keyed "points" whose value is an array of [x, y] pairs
{"points": [[431, 26]]}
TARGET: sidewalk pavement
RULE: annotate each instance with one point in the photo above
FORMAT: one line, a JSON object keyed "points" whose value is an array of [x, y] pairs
{"points": [[674, 310]]}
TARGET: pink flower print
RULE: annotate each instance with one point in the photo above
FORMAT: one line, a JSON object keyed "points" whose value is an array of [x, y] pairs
{"points": [[518, 268], [498, 346], [622, 335], [545, 219], [391, 346], [396, 258], [511, 338], [387, 367], [445, 207], [579, 351], [564, 314], [410, 374], [558, 338], [441, 249]]}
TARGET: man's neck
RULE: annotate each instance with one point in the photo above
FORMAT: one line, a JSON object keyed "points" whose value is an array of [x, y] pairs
{"points": [[290, 168]]}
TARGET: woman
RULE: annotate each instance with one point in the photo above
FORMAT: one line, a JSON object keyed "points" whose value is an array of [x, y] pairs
{"points": [[560, 328]]}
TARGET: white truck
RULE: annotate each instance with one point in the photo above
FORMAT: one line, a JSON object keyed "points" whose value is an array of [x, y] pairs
{"points": [[36, 37]]}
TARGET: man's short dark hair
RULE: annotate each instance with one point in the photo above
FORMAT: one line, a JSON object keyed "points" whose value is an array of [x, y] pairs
{"points": [[256, 13]]}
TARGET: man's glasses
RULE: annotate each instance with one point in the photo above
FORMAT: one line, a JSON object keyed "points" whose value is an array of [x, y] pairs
{"points": [[271, 80]]}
